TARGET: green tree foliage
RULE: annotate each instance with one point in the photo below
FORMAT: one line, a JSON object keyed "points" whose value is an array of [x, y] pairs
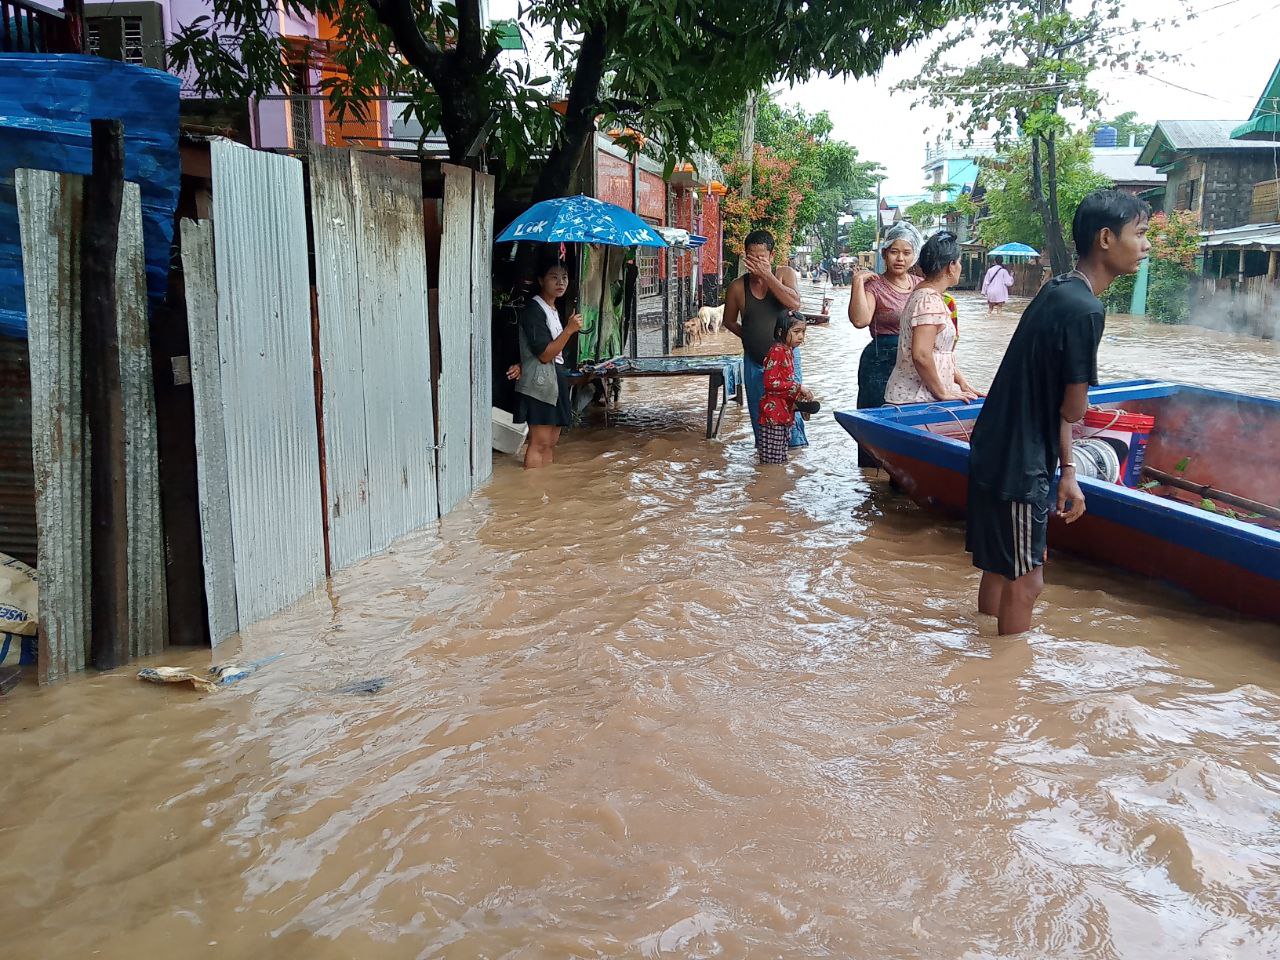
{"points": [[1175, 243], [825, 173], [1016, 69], [650, 65], [928, 212], [1012, 213], [1127, 125], [858, 236]]}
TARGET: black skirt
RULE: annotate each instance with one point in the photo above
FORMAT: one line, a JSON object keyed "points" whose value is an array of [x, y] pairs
{"points": [[539, 414]]}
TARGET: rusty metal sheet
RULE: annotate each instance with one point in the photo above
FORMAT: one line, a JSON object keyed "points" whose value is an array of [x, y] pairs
{"points": [[397, 348], [49, 216], [268, 389], [456, 324], [217, 551], [482, 331], [148, 595], [17, 479]]}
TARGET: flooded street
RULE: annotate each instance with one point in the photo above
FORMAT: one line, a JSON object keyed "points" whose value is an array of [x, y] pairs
{"points": [[656, 701]]}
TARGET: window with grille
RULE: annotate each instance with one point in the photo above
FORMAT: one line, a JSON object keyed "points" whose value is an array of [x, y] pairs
{"points": [[300, 110], [132, 47], [647, 267], [132, 32]]}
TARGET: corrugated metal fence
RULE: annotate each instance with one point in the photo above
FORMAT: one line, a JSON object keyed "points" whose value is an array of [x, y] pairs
{"points": [[375, 350], [282, 487], [466, 384], [266, 388], [49, 209]]}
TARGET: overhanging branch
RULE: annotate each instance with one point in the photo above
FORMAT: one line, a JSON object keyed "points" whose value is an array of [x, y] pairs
{"points": [[399, 18]]}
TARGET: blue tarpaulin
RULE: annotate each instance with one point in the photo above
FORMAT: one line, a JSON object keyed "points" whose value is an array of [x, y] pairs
{"points": [[46, 103]]}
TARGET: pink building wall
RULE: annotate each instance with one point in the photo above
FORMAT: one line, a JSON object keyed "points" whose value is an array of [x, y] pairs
{"points": [[270, 119]]}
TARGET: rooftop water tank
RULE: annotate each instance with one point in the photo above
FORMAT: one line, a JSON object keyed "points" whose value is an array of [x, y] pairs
{"points": [[1105, 137]]}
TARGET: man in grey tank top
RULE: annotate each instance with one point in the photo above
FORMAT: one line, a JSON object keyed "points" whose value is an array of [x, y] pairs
{"points": [[752, 305]]}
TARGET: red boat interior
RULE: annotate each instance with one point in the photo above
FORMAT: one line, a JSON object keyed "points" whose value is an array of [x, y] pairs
{"points": [[1207, 440]]}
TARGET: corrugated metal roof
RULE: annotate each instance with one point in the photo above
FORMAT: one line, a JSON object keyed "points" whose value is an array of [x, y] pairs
{"points": [[1256, 236], [1178, 136], [268, 388], [1202, 135], [1120, 165]]}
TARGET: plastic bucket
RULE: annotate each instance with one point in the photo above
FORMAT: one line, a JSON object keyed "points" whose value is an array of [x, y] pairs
{"points": [[1127, 433]]}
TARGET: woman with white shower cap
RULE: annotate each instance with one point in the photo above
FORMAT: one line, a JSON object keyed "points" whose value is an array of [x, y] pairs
{"points": [[876, 301]]}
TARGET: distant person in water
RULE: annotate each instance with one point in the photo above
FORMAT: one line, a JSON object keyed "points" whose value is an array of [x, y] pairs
{"points": [[876, 301], [996, 286], [926, 369], [752, 306], [1023, 433]]}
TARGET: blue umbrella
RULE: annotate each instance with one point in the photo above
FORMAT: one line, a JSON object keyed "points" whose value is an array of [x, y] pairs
{"points": [[581, 220], [1014, 250]]}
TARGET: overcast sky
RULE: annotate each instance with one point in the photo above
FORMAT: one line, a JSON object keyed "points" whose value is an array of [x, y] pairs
{"points": [[1227, 56]]}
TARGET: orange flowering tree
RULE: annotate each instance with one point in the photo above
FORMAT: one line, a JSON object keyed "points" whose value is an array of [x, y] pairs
{"points": [[1176, 238], [1175, 243], [775, 201]]}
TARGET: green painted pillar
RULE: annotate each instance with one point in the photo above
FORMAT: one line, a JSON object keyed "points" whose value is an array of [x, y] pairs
{"points": [[1138, 305]]}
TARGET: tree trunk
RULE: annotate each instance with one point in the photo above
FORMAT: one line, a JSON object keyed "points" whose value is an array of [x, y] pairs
{"points": [[747, 148], [459, 75], [1055, 246], [1059, 256], [580, 116]]}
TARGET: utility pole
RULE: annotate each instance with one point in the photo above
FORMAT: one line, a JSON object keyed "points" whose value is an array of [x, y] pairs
{"points": [[747, 154]]}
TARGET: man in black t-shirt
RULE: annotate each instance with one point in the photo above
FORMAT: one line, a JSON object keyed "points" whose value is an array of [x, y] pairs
{"points": [[1040, 390]]}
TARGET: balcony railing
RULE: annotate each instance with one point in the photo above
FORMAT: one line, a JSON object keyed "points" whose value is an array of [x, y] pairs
{"points": [[950, 149], [30, 27]]}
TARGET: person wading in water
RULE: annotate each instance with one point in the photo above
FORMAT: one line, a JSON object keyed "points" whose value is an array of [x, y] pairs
{"points": [[752, 306], [1023, 434]]}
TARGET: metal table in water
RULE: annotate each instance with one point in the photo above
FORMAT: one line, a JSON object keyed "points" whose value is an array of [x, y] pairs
{"points": [[723, 373]]}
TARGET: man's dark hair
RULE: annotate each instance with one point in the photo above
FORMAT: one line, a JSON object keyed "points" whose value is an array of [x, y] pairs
{"points": [[759, 236], [1104, 209], [939, 252]]}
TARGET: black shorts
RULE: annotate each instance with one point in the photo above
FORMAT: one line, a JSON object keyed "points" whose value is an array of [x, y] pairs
{"points": [[1006, 537]]}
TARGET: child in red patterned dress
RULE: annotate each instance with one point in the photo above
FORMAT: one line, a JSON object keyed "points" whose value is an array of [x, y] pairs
{"points": [[781, 390]]}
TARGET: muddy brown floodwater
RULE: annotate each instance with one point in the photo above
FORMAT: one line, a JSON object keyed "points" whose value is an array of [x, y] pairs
{"points": [[658, 702]]}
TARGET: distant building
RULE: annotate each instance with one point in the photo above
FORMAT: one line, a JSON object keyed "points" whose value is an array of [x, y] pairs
{"points": [[1120, 166], [951, 169], [1208, 172]]}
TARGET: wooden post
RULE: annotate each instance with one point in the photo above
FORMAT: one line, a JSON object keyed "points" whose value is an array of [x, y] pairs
{"points": [[103, 399], [1272, 265]]}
